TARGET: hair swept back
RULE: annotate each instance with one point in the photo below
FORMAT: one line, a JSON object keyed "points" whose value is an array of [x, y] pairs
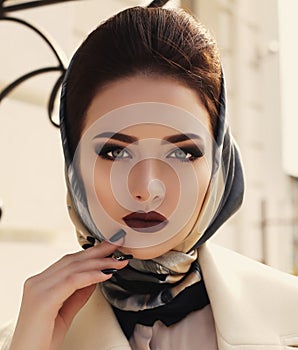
{"points": [[139, 40]]}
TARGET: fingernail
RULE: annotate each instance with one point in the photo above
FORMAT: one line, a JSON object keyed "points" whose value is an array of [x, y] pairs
{"points": [[122, 257], [86, 246], [109, 271], [121, 233], [91, 239]]}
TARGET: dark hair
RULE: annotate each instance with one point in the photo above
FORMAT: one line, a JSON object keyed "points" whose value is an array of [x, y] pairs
{"points": [[151, 41]]}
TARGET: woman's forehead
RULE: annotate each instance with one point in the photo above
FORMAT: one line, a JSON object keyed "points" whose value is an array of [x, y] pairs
{"points": [[165, 101]]}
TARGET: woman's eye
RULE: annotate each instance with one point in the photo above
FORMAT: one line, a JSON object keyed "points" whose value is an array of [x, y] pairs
{"points": [[186, 154], [118, 153], [110, 152], [179, 154]]}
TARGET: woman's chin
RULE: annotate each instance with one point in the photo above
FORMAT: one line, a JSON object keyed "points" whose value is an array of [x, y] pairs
{"points": [[144, 253], [151, 251]]}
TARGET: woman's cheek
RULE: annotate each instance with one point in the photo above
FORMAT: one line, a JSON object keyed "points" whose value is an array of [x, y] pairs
{"points": [[103, 190]]}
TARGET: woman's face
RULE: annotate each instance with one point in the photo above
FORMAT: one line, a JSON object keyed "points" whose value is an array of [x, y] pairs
{"points": [[145, 160]]}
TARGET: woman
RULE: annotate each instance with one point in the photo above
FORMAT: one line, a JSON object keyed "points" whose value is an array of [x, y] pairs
{"points": [[152, 172]]}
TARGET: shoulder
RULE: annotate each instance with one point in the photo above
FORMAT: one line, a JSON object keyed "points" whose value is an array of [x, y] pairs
{"points": [[260, 301], [6, 332], [239, 269]]}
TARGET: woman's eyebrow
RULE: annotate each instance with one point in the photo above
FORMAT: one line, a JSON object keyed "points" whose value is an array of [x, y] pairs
{"points": [[180, 137], [117, 136], [131, 139]]}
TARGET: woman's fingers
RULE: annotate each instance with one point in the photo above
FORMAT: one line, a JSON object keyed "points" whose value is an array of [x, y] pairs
{"points": [[52, 298], [105, 249], [75, 267], [100, 251], [48, 298], [71, 273]]}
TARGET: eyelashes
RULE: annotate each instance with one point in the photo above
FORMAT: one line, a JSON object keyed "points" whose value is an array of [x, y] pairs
{"points": [[114, 152], [186, 154]]}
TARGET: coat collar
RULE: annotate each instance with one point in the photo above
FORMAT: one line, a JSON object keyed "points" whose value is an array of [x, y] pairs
{"points": [[253, 304], [254, 307]]}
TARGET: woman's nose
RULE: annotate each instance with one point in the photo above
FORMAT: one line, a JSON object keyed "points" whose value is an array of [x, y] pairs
{"points": [[145, 181]]}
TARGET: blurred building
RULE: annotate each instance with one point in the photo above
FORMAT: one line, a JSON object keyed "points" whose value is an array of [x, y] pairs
{"points": [[256, 38]]}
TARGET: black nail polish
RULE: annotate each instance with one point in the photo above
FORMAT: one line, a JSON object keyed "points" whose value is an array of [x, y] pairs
{"points": [[87, 246], [91, 239], [123, 257], [109, 271], [121, 233]]}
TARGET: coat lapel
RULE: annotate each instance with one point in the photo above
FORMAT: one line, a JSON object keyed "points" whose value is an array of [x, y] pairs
{"points": [[95, 327], [253, 305]]}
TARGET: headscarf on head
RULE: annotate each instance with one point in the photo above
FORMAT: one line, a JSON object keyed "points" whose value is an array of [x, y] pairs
{"points": [[170, 286]]}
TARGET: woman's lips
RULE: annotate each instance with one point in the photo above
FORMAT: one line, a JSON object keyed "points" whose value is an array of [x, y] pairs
{"points": [[145, 222]]}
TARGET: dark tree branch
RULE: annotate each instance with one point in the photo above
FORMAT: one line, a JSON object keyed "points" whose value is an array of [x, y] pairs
{"points": [[158, 3], [28, 5]]}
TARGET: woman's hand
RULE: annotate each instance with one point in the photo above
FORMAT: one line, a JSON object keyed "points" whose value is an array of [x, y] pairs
{"points": [[52, 298]]}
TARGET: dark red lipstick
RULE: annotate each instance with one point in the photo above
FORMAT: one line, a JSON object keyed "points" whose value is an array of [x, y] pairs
{"points": [[145, 222]]}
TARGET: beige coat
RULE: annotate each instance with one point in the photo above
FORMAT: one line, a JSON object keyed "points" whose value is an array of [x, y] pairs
{"points": [[254, 306]]}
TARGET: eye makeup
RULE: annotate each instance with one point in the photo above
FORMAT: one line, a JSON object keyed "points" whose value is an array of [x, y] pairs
{"points": [[186, 153], [115, 152], [112, 151]]}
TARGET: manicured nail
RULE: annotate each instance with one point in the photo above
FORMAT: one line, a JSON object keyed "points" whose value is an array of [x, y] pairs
{"points": [[91, 239], [87, 246], [122, 257], [109, 271], [121, 233]]}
